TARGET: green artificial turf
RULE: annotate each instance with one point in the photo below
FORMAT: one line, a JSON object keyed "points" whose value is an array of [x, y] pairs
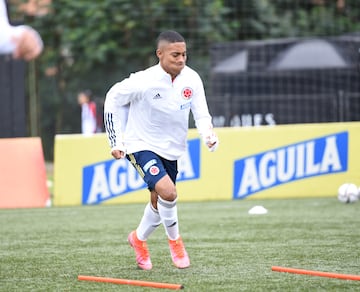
{"points": [[230, 250]]}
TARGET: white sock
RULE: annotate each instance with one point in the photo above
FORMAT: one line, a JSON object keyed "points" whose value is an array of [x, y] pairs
{"points": [[169, 217], [149, 222]]}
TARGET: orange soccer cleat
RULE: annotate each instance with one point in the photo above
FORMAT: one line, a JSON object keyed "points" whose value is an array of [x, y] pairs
{"points": [[141, 251], [179, 255]]}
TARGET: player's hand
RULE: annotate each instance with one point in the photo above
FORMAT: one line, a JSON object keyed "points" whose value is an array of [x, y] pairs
{"points": [[118, 154], [212, 142], [118, 151], [28, 44]]}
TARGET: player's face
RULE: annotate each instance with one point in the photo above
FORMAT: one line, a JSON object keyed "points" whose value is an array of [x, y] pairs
{"points": [[172, 57], [82, 98]]}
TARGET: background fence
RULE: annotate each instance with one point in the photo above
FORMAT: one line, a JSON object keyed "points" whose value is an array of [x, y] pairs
{"points": [[285, 81]]}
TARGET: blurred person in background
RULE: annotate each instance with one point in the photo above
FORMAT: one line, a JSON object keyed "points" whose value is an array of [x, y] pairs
{"points": [[88, 112], [155, 137], [22, 42]]}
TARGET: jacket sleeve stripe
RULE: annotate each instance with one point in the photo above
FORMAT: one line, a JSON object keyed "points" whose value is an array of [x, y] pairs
{"points": [[109, 127]]}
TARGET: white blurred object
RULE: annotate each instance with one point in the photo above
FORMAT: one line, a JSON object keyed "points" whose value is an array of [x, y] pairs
{"points": [[257, 210], [348, 193], [48, 203]]}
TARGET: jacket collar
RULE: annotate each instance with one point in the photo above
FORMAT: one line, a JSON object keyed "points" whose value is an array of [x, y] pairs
{"points": [[162, 74]]}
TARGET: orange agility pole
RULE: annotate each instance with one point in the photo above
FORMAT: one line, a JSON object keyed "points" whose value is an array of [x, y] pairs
{"points": [[131, 282], [316, 273]]}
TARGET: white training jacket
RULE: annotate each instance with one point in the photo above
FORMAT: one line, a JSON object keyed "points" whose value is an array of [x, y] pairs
{"points": [[159, 111]]}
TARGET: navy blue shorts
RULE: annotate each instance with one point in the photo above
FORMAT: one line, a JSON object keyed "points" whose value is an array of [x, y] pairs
{"points": [[152, 167]]}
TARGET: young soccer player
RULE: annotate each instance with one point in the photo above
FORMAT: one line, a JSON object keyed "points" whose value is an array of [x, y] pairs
{"points": [[160, 99]]}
